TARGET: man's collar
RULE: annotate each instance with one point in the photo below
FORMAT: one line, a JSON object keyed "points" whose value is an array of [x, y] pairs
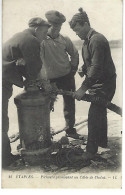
{"points": [[49, 37], [89, 34]]}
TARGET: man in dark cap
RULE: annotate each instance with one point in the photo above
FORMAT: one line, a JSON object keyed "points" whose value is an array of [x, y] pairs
{"points": [[100, 79], [25, 45], [59, 68]]}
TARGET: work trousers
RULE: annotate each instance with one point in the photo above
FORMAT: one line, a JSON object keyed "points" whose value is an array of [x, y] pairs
{"points": [[6, 94], [97, 128], [67, 83], [97, 119]]}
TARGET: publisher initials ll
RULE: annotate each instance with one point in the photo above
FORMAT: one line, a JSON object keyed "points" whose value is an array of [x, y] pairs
{"points": [[114, 177]]}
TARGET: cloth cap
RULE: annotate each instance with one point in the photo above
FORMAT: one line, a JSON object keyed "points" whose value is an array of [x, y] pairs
{"points": [[80, 17], [35, 22], [55, 17]]}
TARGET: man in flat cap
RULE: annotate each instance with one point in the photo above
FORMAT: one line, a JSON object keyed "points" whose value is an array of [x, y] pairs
{"points": [[59, 68], [23, 45], [100, 79]]}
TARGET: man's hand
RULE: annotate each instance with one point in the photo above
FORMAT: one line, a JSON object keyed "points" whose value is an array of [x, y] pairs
{"points": [[48, 88], [82, 71], [79, 93], [20, 62]]}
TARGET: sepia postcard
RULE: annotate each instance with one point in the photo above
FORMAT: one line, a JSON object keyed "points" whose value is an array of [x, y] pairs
{"points": [[62, 73]]}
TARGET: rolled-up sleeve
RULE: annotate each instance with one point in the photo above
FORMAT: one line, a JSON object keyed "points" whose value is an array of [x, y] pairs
{"points": [[95, 70]]}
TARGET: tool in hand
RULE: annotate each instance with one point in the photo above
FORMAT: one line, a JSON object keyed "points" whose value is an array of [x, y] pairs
{"points": [[90, 98]]}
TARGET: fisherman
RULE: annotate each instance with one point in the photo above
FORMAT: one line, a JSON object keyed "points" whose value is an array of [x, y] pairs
{"points": [[25, 45], [100, 79], [55, 52]]}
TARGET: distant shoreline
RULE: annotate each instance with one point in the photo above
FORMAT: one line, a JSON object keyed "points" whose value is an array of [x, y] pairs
{"points": [[112, 43]]}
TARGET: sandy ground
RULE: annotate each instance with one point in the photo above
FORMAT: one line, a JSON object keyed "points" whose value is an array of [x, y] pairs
{"points": [[105, 168], [110, 156]]}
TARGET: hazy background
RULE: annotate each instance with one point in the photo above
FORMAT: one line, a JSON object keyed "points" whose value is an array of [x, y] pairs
{"points": [[105, 15]]}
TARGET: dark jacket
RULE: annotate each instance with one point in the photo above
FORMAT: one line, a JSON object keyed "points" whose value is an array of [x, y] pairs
{"points": [[22, 45], [98, 64]]}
